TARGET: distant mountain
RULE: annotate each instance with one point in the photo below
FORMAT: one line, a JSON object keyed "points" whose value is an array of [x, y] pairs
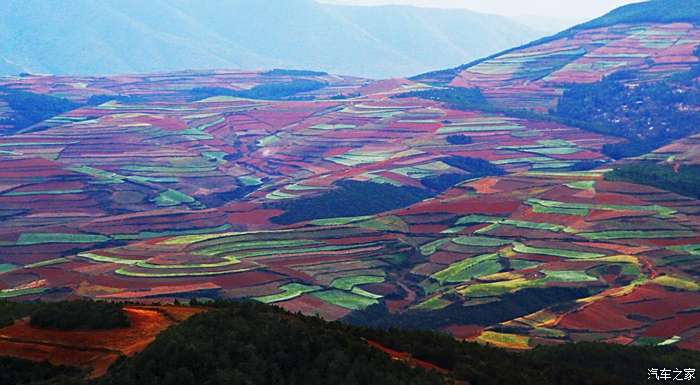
{"points": [[646, 12], [110, 36]]}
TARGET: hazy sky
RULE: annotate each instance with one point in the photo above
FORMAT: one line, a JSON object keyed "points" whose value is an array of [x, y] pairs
{"points": [[561, 9]]}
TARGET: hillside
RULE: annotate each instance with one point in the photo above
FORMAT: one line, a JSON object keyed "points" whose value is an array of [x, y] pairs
{"points": [[132, 36], [490, 205], [258, 344], [646, 12]]}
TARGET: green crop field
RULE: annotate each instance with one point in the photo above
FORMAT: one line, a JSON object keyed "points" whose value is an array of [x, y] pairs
{"points": [[345, 299], [638, 234], [469, 268], [42, 238], [573, 254], [289, 291], [348, 283], [481, 241]]}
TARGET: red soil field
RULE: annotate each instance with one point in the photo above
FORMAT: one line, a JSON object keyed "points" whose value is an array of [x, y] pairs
{"points": [[93, 350]]}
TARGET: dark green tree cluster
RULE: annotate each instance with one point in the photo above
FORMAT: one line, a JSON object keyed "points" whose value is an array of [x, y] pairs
{"points": [[459, 139], [29, 108], [350, 198], [14, 371], [457, 98], [684, 181], [12, 311], [476, 167], [265, 91], [288, 72], [88, 315]]}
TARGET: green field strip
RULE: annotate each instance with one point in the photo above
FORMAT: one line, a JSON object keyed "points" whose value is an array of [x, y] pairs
{"points": [[170, 233], [114, 105], [481, 241], [217, 156], [333, 126], [538, 159], [345, 299], [228, 261], [538, 208], [504, 340], [582, 185], [268, 246], [552, 165], [36, 144], [522, 264], [274, 252], [493, 289], [660, 210], [289, 291], [105, 259], [572, 254], [50, 262], [339, 221], [386, 223], [7, 267], [638, 234], [42, 192], [453, 230], [476, 219], [248, 180], [42, 238], [268, 140], [483, 128], [432, 304], [677, 283], [365, 293], [169, 170], [301, 187], [690, 249], [502, 287], [13, 293], [571, 174], [567, 276], [348, 283], [352, 158], [469, 268], [432, 247], [523, 225], [135, 274], [280, 195], [172, 197]]}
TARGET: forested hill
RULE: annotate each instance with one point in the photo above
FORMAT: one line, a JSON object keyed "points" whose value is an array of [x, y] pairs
{"points": [[249, 343]]}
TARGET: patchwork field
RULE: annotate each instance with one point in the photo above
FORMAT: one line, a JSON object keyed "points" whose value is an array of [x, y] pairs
{"points": [[353, 199]]}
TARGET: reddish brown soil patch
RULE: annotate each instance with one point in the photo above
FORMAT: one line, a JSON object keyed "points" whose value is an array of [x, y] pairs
{"points": [[462, 332], [91, 349], [310, 305], [407, 358]]}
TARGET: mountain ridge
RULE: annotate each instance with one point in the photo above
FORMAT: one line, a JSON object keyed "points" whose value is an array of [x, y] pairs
{"points": [[631, 13], [133, 37]]}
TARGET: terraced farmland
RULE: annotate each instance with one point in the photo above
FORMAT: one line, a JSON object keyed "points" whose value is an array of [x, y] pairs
{"points": [[349, 202]]}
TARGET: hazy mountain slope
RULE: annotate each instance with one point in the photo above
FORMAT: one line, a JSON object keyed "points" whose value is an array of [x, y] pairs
{"points": [[647, 12], [98, 37]]}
